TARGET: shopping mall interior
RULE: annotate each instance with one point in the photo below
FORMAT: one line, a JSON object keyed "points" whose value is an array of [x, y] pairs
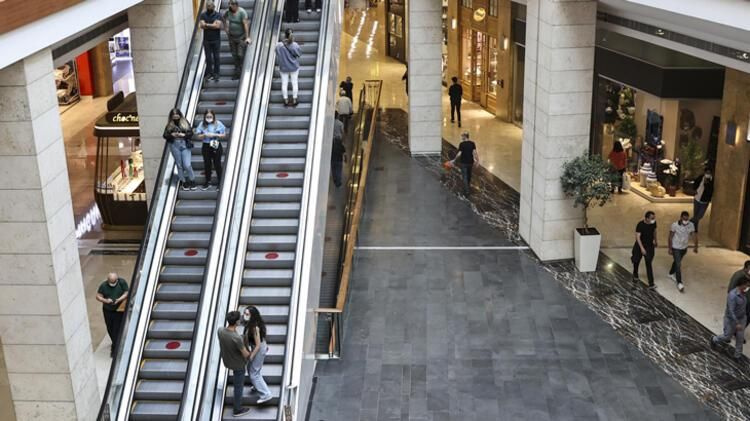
{"points": [[398, 295]]}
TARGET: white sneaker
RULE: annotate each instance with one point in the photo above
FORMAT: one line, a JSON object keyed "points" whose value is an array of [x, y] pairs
{"points": [[673, 277], [264, 400], [680, 287]]}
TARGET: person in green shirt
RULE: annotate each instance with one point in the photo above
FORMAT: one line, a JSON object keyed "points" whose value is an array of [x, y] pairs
{"points": [[237, 25], [111, 294]]}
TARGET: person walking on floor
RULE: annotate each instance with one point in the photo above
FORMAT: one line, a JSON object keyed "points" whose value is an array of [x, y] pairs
{"points": [[308, 5], [210, 23], [735, 318], [112, 293], [338, 151], [679, 236], [237, 25], [344, 108], [456, 93], [255, 340], [644, 247], [235, 356], [179, 134], [703, 194], [291, 11], [467, 157], [287, 57], [348, 87], [619, 161], [741, 274], [211, 131]]}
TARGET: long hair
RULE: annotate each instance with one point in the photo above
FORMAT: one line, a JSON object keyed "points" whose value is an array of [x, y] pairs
{"points": [[617, 147], [183, 124], [205, 114], [256, 320]]}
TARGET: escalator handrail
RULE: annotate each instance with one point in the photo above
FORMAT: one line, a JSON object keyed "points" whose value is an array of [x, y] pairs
{"points": [[211, 408], [152, 246], [320, 138], [221, 244]]}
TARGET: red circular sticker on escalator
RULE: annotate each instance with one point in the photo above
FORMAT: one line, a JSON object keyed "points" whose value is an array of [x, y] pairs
{"points": [[172, 345], [272, 256], [191, 252], [282, 175]]}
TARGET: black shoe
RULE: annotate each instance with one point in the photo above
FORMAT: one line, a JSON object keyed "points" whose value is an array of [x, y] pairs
{"points": [[295, 102], [453, 121], [737, 358], [205, 186], [459, 124], [243, 411], [636, 279], [185, 185], [193, 187], [652, 287], [286, 102]]}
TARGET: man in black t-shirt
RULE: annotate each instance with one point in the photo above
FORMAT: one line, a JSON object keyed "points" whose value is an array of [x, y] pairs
{"points": [[455, 92], [348, 87], [645, 247], [210, 22], [111, 294], [466, 158]]}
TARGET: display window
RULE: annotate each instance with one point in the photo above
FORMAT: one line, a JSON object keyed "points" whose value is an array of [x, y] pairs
{"points": [[66, 82], [492, 66]]}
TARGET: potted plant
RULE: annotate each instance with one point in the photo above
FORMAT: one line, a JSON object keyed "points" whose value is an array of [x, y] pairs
{"points": [[670, 179], [691, 158], [588, 181]]}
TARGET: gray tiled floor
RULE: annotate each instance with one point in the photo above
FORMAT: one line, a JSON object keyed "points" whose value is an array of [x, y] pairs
{"points": [[473, 335]]}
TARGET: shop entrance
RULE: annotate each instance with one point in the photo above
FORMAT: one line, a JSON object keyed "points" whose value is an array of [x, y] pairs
{"points": [[479, 67]]}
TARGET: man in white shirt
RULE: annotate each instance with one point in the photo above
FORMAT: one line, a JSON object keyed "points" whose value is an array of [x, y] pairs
{"points": [[679, 236], [345, 108]]}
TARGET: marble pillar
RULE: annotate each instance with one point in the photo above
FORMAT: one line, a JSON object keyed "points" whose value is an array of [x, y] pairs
{"points": [[557, 111], [424, 38], [48, 358], [160, 32]]}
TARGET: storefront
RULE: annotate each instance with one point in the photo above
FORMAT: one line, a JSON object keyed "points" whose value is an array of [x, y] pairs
{"points": [[396, 29]]}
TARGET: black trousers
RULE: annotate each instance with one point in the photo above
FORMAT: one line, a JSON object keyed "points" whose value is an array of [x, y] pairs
{"points": [[455, 109], [636, 259], [211, 161], [291, 11], [113, 320], [212, 57], [308, 4]]}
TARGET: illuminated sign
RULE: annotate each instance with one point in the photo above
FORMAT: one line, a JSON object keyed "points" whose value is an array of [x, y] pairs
{"points": [[127, 118], [480, 14]]}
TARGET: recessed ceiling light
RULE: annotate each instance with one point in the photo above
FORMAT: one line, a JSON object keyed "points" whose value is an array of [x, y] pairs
{"points": [[660, 32], [743, 56]]}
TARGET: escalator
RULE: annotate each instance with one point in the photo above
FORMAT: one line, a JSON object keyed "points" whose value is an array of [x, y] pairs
{"points": [[151, 379]]}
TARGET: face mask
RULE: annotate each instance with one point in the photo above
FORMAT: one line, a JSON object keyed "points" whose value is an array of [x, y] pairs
{"points": [[176, 119], [651, 221], [709, 176], [209, 120], [246, 317]]}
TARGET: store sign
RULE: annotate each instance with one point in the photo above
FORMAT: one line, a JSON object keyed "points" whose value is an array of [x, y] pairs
{"points": [[122, 118], [480, 14]]}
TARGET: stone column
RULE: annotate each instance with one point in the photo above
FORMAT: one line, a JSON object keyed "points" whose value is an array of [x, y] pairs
{"points": [[424, 36], [43, 321], [160, 33], [557, 111]]}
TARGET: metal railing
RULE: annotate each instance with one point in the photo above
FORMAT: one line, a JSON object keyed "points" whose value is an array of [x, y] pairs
{"points": [[364, 133]]}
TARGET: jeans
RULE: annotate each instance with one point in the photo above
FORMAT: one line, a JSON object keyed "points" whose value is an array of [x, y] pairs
{"points": [[237, 48], [182, 155], [677, 256], [345, 118], [291, 11], [113, 321], [285, 83], [212, 57], [618, 185], [254, 368], [636, 259], [211, 160], [336, 170], [466, 175], [699, 210], [730, 330], [239, 384], [308, 4], [456, 109]]}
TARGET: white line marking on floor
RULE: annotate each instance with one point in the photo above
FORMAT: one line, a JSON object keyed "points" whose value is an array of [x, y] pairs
{"points": [[441, 248]]}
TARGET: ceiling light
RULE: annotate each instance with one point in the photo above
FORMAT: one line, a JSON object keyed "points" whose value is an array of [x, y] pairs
{"points": [[660, 32], [743, 56]]}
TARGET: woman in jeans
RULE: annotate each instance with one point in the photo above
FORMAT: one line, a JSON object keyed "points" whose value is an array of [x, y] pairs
{"points": [[211, 131], [255, 339], [178, 135]]}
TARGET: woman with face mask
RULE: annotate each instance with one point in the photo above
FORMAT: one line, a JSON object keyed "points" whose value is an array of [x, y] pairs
{"points": [[211, 131], [178, 135], [255, 339]]}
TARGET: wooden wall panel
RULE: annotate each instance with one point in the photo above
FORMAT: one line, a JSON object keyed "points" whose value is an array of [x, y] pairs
{"points": [[17, 13]]}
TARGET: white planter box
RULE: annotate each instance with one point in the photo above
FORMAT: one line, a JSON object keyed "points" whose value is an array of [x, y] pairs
{"points": [[587, 249]]}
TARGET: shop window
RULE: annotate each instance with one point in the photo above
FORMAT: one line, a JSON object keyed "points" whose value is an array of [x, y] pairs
{"points": [[466, 55], [493, 7], [467, 4], [492, 66]]}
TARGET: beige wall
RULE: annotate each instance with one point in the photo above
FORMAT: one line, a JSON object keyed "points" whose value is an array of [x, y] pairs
{"points": [[731, 162]]}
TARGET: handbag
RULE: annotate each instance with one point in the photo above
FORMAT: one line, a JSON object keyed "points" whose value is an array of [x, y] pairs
{"points": [[214, 144], [625, 181]]}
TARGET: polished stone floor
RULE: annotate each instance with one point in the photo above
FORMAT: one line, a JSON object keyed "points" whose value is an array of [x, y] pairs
{"points": [[473, 334]]}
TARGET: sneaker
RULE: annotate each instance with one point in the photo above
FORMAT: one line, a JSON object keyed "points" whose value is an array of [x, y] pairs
{"points": [[295, 102], [286, 102], [680, 286], [673, 277], [636, 279], [652, 287], [205, 186], [264, 400], [185, 186], [243, 411], [193, 187]]}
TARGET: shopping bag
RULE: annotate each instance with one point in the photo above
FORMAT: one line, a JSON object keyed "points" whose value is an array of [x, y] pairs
{"points": [[625, 181]]}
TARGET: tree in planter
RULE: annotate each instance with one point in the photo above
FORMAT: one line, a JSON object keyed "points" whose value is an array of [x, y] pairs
{"points": [[691, 158], [588, 179]]}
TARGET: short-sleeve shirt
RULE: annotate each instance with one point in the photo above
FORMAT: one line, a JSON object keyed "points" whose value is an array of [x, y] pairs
{"points": [[211, 34], [681, 235], [217, 127], [112, 292], [231, 349], [647, 233], [235, 22], [467, 148]]}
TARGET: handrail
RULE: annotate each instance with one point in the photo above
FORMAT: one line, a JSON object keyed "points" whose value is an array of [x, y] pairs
{"points": [[214, 382], [357, 183], [192, 392], [152, 247]]}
